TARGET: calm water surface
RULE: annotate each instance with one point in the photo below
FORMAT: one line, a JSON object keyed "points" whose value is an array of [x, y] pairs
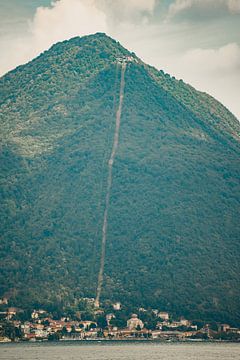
{"points": [[119, 351]]}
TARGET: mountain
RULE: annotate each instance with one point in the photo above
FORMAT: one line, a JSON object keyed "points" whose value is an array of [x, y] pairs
{"points": [[172, 239]]}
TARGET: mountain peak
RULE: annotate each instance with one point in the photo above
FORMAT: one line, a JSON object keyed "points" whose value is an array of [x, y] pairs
{"points": [[96, 45], [174, 184]]}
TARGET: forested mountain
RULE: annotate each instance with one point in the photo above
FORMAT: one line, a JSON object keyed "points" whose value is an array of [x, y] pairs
{"points": [[173, 220]]}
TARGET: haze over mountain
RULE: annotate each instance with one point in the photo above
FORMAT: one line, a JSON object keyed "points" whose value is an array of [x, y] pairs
{"points": [[173, 217]]}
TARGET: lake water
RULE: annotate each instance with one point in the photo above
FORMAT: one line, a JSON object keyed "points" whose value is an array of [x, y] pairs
{"points": [[119, 351]]}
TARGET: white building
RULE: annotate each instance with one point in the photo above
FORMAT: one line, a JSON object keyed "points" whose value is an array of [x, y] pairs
{"points": [[185, 322], [36, 313], [117, 306], [134, 322], [3, 301]]}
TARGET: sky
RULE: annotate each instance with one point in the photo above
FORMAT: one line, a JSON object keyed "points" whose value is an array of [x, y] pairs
{"points": [[194, 40]]}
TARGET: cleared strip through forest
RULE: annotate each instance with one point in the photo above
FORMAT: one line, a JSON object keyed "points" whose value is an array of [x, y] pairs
{"points": [[109, 184]]}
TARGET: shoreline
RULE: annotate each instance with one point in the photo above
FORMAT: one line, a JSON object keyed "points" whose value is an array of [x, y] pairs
{"points": [[88, 341]]}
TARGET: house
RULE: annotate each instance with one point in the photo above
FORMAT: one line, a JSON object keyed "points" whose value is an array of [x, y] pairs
{"points": [[184, 322], [36, 313], [3, 301], [159, 326], [89, 301], [11, 312], [141, 309], [98, 312], [163, 315], [109, 317], [134, 323], [91, 334], [40, 333], [38, 326], [86, 324], [234, 330], [167, 334], [126, 59], [4, 339], [117, 306], [224, 328]]}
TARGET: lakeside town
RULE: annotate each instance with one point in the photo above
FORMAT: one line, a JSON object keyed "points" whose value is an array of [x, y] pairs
{"points": [[100, 324]]}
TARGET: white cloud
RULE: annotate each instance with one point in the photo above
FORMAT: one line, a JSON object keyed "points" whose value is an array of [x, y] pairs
{"points": [[129, 6], [234, 6], [126, 11], [225, 60], [178, 6], [66, 19], [215, 71]]}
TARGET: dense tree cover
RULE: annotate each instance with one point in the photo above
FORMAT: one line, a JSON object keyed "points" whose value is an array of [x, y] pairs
{"points": [[173, 232], [7, 329]]}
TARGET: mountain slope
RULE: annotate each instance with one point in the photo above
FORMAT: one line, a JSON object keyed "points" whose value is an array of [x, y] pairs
{"points": [[173, 228]]}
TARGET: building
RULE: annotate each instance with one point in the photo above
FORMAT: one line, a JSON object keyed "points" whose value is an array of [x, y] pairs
{"points": [[224, 327], [98, 312], [163, 315], [3, 301], [87, 324], [26, 328], [167, 335], [184, 322], [109, 317], [134, 323], [11, 312], [234, 330], [117, 306], [37, 313]]}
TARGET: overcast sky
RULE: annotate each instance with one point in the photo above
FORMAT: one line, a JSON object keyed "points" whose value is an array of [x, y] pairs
{"points": [[195, 40]]}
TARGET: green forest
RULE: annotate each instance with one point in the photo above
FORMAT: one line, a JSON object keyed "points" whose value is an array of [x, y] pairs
{"points": [[173, 232]]}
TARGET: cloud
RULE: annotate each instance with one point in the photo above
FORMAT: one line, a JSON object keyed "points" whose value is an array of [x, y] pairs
{"points": [[129, 6], [234, 6], [179, 5], [215, 71], [204, 6], [66, 19], [223, 60], [126, 10]]}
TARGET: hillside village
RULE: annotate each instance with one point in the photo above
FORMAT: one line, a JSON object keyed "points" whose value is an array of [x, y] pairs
{"points": [[146, 324]]}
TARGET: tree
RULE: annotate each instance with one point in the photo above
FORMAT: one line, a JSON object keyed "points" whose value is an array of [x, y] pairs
{"points": [[102, 322], [92, 326], [118, 322], [64, 331], [9, 330], [54, 337]]}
